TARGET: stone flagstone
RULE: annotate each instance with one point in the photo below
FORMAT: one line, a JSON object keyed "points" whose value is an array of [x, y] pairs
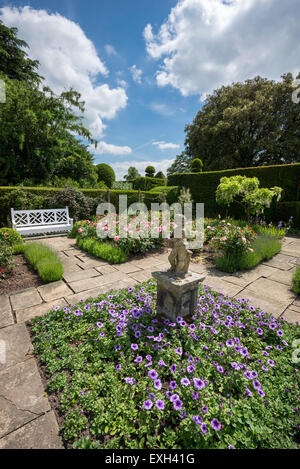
{"points": [[17, 345], [54, 290], [39, 310], [25, 299], [6, 317]]}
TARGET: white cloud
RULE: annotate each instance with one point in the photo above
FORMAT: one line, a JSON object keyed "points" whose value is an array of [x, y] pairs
{"points": [[161, 108], [110, 50], [166, 145], [122, 83], [121, 167], [104, 148], [68, 59], [136, 74], [207, 43]]}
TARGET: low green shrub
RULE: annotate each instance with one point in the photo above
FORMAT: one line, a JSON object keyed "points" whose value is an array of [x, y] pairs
{"points": [[103, 250], [6, 255], [263, 248], [296, 280], [270, 231], [44, 261], [18, 248], [10, 236]]}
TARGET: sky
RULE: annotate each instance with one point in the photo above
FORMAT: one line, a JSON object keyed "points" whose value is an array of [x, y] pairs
{"points": [[145, 67]]}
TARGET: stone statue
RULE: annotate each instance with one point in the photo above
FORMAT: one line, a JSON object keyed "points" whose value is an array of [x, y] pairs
{"points": [[180, 255]]}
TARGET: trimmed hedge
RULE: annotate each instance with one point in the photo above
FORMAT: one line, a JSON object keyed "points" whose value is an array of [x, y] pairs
{"points": [[203, 186], [147, 183], [285, 210], [45, 261], [40, 195]]}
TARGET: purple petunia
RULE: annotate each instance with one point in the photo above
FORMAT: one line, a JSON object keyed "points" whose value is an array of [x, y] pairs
{"points": [[197, 419], [134, 346], [173, 385], [148, 405], [203, 428], [160, 404], [185, 382], [153, 374], [216, 424], [173, 368], [157, 384], [198, 383], [178, 404]]}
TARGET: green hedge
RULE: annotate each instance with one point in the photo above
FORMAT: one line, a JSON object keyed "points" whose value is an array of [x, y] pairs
{"points": [[203, 186], [147, 183], [40, 195], [285, 210]]}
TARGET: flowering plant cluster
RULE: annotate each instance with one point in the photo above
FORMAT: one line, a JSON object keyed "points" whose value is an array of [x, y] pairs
{"points": [[126, 378], [231, 239], [133, 236]]}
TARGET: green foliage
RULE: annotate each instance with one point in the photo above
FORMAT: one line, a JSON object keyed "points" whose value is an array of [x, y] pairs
{"points": [[14, 60], [44, 260], [37, 137], [247, 192], [254, 123], [18, 248], [132, 174], [105, 174], [232, 239], [185, 196], [102, 402], [80, 206], [150, 171], [196, 165], [122, 186], [148, 183], [203, 188], [106, 251], [160, 175], [6, 255], [296, 280], [10, 236], [182, 164], [287, 210]]}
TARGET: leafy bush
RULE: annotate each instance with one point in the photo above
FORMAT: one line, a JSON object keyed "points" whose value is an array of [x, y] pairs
{"points": [[10, 236], [150, 171], [105, 251], [105, 174], [6, 255], [122, 186], [148, 183], [223, 380], [45, 261], [231, 239], [80, 206], [296, 280], [18, 248], [196, 165]]}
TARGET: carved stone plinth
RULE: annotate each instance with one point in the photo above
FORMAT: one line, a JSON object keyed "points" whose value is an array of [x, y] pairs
{"points": [[177, 296]]}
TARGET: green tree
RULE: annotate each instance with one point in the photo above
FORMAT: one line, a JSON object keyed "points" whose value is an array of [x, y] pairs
{"points": [[105, 174], [150, 171], [247, 192], [196, 165], [160, 175], [14, 61], [37, 131], [254, 123], [182, 164], [132, 174]]}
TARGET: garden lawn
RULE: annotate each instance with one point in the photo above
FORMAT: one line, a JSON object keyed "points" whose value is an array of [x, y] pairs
{"points": [[121, 378]]}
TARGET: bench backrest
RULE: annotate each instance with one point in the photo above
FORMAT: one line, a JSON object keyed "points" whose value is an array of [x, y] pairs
{"points": [[56, 216]]}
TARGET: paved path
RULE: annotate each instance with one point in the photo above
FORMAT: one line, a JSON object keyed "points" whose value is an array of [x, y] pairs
{"points": [[26, 419]]}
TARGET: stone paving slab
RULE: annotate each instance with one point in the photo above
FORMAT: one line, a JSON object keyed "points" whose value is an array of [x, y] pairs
{"points": [[219, 285], [283, 276], [259, 271], [88, 284], [22, 396], [107, 269], [41, 433], [281, 261], [270, 288], [54, 290], [295, 308], [128, 268], [17, 345], [140, 276], [6, 316], [80, 275], [291, 316], [25, 299], [26, 314]]}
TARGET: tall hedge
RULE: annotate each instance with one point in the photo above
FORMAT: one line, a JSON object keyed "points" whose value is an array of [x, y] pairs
{"points": [[203, 185], [147, 183]]}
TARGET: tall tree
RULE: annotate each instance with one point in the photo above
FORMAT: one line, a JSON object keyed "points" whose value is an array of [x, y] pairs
{"points": [[14, 60], [132, 174], [182, 164], [247, 124]]}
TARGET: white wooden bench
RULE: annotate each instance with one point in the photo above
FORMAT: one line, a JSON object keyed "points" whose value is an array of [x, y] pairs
{"points": [[30, 222]]}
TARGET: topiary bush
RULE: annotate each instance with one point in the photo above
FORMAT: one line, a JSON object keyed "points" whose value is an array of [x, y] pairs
{"points": [[105, 174], [196, 165], [150, 171]]}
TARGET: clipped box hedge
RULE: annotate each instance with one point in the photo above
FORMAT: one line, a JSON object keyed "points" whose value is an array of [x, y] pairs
{"points": [[147, 183], [203, 186]]}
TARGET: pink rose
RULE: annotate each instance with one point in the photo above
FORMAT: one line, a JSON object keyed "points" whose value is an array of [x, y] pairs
{"points": [[80, 230]]}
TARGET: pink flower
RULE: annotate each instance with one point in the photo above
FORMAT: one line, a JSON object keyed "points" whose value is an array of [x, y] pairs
{"points": [[250, 249], [116, 238], [80, 230], [6, 234], [244, 239], [224, 238]]}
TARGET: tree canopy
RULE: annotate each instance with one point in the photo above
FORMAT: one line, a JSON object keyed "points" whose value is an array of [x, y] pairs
{"points": [[132, 174], [254, 123]]}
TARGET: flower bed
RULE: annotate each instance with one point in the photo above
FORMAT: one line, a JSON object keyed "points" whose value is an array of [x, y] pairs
{"points": [[119, 377]]}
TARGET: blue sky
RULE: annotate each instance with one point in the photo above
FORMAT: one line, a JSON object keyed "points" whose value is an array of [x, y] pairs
{"points": [[144, 67]]}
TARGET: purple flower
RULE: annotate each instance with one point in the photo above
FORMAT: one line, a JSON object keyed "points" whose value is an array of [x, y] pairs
{"points": [[153, 374], [197, 419], [134, 346], [195, 396], [160, 404], [179, 351], [118, 367], [271, 362], [198, 383], [216, 424], [256, 384], [174, 397], [148, 405], [204, 410], [190, 368], [185, 382], [203, 428], [178, 404], [157, 384], [261, 393], [138, 359], [259, 331], [161, 363], [220, 369], [173, 368], [173, 385], [99, 324]]}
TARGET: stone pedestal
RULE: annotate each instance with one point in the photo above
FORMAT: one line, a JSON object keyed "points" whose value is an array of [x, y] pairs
{"points": [[177, 296]]}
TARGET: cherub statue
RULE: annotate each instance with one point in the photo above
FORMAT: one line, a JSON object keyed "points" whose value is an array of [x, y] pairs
{"points": [[180, 255]]}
